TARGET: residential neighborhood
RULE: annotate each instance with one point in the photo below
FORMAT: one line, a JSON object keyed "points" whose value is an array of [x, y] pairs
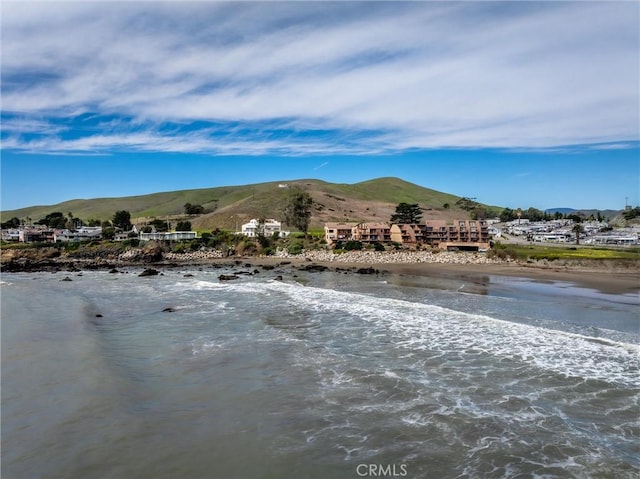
{"points": [[447, 235]]}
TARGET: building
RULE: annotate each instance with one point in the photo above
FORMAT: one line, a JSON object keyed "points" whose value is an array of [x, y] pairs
{"points": [[461, 234], [267, 227], [84, 233], [334, 232], [169, 236]]}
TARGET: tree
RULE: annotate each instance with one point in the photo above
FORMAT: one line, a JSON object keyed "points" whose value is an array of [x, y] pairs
{"points": [[297, 212], [12, 223], [159, 225], [578, 229], [122, 219], [467, 204], [507, 215], [183, 226], [407, 214], [55, 220], [190, 209]]}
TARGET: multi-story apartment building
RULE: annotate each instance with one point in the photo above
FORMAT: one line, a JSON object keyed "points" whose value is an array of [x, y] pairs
{"points": [[371, 232], [334, 232], [461, 234]]}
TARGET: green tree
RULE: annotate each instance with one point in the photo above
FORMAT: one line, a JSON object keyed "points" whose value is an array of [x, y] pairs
{"points": [[183, 226], [55, 220], [578, 229], [507, 215], [160, 225], [297, 212], [12, 223], [533, 214], [631, 213], [122, 219], [108, 232], [190, 209], [467, 204], [407, 214]]}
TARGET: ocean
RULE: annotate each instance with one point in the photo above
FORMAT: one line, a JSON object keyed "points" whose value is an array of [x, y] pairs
{"points": [[321, 375]]}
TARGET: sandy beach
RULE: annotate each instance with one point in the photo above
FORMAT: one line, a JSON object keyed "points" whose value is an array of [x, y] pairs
{"points": [[606, 280]]}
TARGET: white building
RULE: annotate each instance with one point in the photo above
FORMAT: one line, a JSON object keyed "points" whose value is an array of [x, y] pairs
{"points": [[255, 227], [169, 236], [84, 233]]}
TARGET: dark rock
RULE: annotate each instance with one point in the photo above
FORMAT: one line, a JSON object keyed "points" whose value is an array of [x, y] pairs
{"points": [[168, 310], [238, 262], [314, 268], [113, 270], [66, 278], [248, 265], [243, 272], [267, 267], [284, 263], [98, 316], [149, 272], [278, 278], [227, 277], [367, 271], [188, 275], [256, 271]]}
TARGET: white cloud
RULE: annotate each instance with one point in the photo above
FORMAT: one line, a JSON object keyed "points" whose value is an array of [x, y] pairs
{"points": [[381, 76]]}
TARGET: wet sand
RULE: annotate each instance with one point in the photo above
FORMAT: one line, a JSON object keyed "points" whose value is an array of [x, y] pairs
{"points": [[610, 281]]}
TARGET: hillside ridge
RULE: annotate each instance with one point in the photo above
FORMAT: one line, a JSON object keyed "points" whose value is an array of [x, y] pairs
{"points": [[227, 206]]}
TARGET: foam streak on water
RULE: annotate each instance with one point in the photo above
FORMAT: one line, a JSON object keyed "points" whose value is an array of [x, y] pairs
{"points": [[260, 378]]}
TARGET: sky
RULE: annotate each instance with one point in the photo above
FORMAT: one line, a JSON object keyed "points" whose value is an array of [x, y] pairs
{"points": [[514, 103]]}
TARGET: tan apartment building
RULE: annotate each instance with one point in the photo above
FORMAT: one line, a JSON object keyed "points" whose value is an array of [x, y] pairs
{"points": [[461, 234], [371, 232], [334, 232]]}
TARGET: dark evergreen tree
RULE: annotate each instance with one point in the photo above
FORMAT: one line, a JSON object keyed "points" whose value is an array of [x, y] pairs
{"points": [[407, 214], [297, 212], [183, 226], [122, 219]]}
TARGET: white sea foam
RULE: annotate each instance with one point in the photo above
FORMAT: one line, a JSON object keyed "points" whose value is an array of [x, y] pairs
{"points": [[425, 327]]}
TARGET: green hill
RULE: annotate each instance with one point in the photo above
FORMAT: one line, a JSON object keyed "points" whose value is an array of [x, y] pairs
{"points": [[226, 207]]}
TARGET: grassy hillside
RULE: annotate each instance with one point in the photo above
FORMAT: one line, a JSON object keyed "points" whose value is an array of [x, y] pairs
{"points": [[373, 200]]}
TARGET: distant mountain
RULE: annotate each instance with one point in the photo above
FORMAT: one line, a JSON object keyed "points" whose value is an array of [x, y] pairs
{"points": [[564, 211], [229, 206]]}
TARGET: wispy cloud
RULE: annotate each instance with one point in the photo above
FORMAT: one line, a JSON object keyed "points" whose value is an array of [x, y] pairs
{"points": [[322, 165], [355, 78]]}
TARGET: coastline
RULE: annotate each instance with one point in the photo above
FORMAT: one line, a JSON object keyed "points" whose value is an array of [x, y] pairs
{"points": [[606, 277], [615, 281]]}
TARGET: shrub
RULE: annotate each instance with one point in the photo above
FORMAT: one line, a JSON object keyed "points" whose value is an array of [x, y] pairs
{"points": [[353, 246], [378, 246], [179, 248], [295, 248]]}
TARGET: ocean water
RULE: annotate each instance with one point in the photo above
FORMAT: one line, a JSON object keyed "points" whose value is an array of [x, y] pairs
{"points": [[322, 375]]}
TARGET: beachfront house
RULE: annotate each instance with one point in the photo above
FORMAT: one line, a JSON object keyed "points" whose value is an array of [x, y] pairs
{"points": [[266, 227]]}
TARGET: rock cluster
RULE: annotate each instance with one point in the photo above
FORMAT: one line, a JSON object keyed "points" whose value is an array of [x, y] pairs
{"points": [[376, 257], [194, 255]]}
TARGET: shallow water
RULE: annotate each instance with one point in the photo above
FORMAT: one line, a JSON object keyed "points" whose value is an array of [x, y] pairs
{"points": [[320, 376]]}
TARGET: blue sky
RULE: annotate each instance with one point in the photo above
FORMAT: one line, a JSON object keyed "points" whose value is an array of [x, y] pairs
{"points": [[515, 103]]}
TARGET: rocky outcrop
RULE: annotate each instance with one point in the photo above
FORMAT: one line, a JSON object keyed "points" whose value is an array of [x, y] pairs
{"points": [[149, 272], [228, 277]]}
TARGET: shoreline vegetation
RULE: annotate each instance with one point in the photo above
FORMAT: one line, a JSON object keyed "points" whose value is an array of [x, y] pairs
{"points": [[609, 271]]}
